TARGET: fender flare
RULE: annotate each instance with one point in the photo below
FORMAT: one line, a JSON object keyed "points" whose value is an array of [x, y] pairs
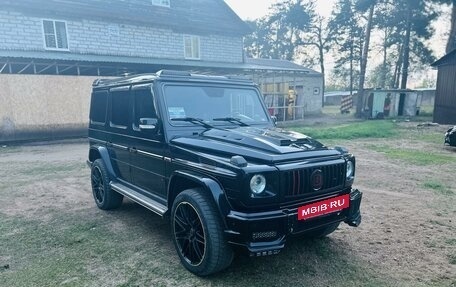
{"points": [[209, 185], [104, 155]]}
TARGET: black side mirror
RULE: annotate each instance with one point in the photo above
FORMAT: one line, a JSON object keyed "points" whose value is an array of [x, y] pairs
{"points": [[148, 123]]}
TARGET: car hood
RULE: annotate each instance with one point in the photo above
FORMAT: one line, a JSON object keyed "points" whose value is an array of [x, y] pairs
{"points": [[263, 144]]}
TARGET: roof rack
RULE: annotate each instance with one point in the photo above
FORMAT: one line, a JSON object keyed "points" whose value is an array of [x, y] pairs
{"points": [[98, 82], [164, 74], [121, 80], [239, 78], [173, 73]]}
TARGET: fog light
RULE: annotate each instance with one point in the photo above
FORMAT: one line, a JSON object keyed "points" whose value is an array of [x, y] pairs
{"points": [[264, 235], [265, 253]]}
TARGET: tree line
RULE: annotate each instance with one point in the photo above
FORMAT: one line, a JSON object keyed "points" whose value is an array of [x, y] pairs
{"points": [[294, 31]]}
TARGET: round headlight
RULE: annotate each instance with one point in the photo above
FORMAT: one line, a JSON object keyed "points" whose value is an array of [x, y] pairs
{"points": [[257, 184], [350, 169]]}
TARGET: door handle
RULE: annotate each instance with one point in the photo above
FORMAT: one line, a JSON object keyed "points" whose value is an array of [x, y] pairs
{"points": [[133, 150], [109, 144]]}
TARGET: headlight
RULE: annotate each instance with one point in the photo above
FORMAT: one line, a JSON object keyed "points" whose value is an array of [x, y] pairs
{"points": [[350, 169], [257, 183]]}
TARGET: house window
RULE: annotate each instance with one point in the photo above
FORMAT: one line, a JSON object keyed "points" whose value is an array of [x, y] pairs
{"points": [[191, 47], [55, 35], [164, 3]]}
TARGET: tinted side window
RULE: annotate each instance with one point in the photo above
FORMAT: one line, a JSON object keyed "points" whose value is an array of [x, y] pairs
{"points": [[120, 101], [144, 105], [98, 107]]}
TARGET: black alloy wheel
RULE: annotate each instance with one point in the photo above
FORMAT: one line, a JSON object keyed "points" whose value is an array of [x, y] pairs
{"points": [[198, 233], [97, 185], [189, 233], [104, 196]]}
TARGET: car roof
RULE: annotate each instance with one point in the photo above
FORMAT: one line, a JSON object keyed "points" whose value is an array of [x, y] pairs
{"points": [[170, 76]]}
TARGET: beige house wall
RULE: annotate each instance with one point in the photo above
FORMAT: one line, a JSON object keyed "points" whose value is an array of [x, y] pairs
{"points": [[43, 106]]}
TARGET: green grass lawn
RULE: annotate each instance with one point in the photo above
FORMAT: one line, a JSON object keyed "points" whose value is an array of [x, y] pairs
{"points": [[438, 187], [384, 129], [357, 130], [413, 156]]}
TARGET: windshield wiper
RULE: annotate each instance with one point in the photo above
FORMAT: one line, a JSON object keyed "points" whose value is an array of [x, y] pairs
{"points": [[232, 120], [194, 121]]}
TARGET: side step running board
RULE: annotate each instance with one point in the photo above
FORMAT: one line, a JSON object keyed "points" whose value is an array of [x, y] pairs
{"points": [[139, 198]]}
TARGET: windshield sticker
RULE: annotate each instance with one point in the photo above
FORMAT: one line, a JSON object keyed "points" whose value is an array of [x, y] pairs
{"points": [[176, 112]]}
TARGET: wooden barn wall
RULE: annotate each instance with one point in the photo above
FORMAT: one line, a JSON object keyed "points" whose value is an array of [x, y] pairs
{"points": [[43, 106], [445, 98]]}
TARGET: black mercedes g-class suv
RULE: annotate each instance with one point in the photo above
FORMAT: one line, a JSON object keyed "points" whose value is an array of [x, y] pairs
{"points": [[203, 151]]}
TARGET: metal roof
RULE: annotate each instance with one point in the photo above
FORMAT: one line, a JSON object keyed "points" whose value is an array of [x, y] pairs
{"points": [[261, 65], [65, 56], [275, 64], [445, 59]]}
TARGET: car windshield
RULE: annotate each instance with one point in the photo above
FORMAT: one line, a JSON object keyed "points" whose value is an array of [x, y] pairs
{"points": [[213, 105]]}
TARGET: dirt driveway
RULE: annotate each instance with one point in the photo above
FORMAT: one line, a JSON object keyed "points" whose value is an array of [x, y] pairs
{"points": [[52, 234]]}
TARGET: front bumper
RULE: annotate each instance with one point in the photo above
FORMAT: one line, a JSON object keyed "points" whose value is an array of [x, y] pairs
{"points": [[265, 233]]}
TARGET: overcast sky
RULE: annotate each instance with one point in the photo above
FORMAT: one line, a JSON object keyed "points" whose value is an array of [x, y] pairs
{"points": [[253, 9]]}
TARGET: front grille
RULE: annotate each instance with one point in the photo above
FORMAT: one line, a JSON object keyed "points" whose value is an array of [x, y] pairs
{"points": [[298, 182]]}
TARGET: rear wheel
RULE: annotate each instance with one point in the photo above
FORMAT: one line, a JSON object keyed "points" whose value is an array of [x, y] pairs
{"points": [[104, 196], [198, 234]]}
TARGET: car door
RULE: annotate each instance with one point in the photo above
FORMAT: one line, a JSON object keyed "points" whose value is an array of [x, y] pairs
{"points": [[119, 126], [147, 164]]}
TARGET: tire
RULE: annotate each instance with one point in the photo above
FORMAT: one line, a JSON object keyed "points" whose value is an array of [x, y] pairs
{"points": [[104, 196], [197, 232], [323, 231]]}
